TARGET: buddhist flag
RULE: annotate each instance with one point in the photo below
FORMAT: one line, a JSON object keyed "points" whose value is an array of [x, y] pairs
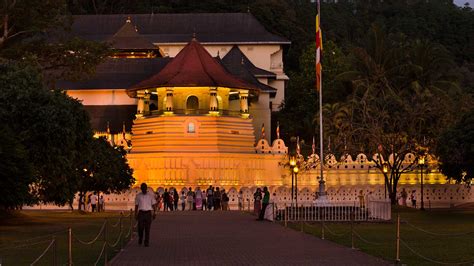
{"points": [[123, 131], [314, 146], [263, 130], [278, 130], [319, 48], [298, 149]]}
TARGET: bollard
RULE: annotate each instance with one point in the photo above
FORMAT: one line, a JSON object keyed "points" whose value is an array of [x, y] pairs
{"points": [[322, 224], [286, 216], [397, 259], [352, 230], [54, 251], [131, 224], [69, 246], [120, 232], [105, 239]]}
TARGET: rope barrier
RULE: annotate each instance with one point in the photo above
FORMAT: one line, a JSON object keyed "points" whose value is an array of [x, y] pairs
{"points": [[367, 241], [432, 260], [25, 245], [93, 240], [44, 252], [117, 224], [39, 237], [335, 234], [117, 241], [101, 253], [437, 234]]}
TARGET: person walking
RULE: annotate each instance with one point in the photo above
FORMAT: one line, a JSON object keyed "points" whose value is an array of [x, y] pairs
{"points": [[265, 202], [189, 199], [176, 199], [94, 200], [217, 199], [166, 196], [210, 198], [183, 201], [145, 211], [225, 201], [413, 198], [240, 199], [198, 198], [101, 203], [257, 201], [404, 196]]}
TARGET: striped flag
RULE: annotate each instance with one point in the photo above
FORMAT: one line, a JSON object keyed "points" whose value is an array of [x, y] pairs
{"points": [[319, 48], [123, 131], [278, 129], [263, 130], [298, 149], [314, 146]]}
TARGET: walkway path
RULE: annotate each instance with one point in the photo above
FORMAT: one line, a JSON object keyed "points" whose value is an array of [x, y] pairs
{"points": [[233, 238]]}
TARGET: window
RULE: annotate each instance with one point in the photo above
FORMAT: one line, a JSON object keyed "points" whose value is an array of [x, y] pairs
{"points": [[191, 127], [192, 103]]}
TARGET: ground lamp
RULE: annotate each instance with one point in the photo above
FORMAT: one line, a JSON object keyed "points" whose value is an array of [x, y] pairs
{"points": [[295, 171], [421, 163], [385, 171], [292, 166]]}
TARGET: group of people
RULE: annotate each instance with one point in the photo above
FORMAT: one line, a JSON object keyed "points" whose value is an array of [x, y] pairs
{"points": [[404, 196], [92, 202], [261, 202], [210, 199]]}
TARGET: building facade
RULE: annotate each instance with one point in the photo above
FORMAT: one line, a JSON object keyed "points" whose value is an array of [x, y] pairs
{"points": [[191, 95]]}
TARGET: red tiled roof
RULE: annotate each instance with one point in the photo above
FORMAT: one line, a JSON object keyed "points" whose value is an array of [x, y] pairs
{"points": [[193, 66]]}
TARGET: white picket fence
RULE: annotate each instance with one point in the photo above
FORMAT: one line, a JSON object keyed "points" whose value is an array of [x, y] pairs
{"points": [[334, 212]]}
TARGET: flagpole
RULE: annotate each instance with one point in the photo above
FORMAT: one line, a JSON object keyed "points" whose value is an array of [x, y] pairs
{"points": [[322, 190]]}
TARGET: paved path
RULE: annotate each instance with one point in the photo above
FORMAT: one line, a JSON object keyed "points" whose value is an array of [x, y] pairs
{"points": [[233, 238]]}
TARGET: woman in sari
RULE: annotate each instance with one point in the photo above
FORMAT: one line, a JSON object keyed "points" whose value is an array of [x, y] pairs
{"points": [[198, 199], [257, 203]]}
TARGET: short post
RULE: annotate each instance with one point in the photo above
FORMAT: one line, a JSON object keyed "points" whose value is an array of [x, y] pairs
{"points": [[322, 224], [397, 259], [248, 201], [54, 251], [286, 216], [131, 224], [352, 230], [105, 240], [69, 246], [120, 232]]}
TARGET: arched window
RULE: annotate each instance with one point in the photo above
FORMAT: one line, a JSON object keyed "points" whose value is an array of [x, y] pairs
{"points": [[192, 103]]}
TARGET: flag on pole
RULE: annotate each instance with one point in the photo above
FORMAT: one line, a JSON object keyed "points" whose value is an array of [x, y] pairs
{"points": [[123, 131], [278, 129], [319, 48], [263, 130], [314, 146], [298, 149]]}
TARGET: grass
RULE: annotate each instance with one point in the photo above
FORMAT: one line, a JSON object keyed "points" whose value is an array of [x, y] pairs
{"points": [[29, 227], [382, 236]]}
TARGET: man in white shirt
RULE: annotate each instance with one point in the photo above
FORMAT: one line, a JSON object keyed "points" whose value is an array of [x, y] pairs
{"points": [[94, 200], [145, 204]]}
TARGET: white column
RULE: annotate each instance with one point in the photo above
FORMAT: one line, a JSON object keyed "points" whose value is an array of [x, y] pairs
{"points": [[140, 104], [169, 100], [244, 105], [213, 99]]}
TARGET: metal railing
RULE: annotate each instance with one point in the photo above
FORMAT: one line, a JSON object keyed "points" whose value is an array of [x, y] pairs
{"points": [[334, 212]]}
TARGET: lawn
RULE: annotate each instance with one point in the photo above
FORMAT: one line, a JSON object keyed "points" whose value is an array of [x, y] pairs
{"points": [[379, 239], [19, 232]]}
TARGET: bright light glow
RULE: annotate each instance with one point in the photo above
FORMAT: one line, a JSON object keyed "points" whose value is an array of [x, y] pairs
{"points": [[385, 168], [292, 161], [421, 160], [296, 169]]}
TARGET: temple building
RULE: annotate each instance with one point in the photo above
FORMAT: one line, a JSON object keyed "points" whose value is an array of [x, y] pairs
{"points": [[191, 96]]}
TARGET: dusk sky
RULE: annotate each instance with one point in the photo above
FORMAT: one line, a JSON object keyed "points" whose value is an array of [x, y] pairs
{"points": [[462, 2]]}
